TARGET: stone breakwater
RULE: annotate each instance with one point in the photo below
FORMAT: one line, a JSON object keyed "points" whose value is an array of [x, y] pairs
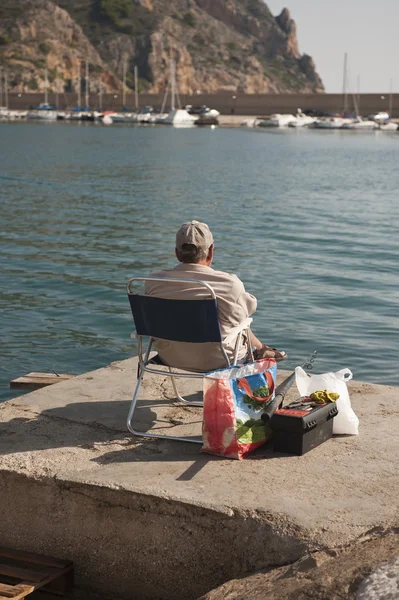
{"points": [[161, 518]]}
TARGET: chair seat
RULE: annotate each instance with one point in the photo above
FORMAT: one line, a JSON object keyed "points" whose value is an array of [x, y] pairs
{"points": [[157, 360]]}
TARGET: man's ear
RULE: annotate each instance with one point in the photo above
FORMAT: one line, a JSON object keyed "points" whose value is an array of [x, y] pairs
{"points": [[210, 252]]}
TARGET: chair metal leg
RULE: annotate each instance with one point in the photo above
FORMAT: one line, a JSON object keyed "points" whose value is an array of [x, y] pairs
{"points": [[144, 433], [183, 400], [249, 345], [237, 347]]}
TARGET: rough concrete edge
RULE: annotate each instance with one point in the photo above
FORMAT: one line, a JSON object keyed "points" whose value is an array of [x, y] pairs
{"points": [[284, 537], [144, 499]]}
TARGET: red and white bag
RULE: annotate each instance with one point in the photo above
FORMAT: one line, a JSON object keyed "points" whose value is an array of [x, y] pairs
{"points": [[234, 399]]}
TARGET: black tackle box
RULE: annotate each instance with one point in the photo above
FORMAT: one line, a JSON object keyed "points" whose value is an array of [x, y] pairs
{"points": [[302, 425]]}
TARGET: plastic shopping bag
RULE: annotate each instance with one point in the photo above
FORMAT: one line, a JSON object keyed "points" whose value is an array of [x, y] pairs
{"points": [[346, 422], [234, 399]]}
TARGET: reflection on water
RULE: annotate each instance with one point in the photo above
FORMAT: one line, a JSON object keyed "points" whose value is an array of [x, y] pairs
{"points": [[308, 220]]}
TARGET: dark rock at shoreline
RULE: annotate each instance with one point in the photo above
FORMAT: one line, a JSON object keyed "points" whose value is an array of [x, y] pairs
{"points": [[334, 574]]}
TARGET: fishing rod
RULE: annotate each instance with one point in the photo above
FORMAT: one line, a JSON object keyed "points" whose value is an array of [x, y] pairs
{"points": [[282, 389]]}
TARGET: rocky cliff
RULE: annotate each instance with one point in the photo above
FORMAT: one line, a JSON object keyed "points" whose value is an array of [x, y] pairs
{"points": [[218, 45]]}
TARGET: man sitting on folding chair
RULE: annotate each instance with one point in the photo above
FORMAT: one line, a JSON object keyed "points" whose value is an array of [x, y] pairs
{"points": [[194, 251]]}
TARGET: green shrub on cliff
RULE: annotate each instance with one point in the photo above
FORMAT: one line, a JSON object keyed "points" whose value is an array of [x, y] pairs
{"points": [[115, 10], [32, 85], [189, 19], [44, 47]]}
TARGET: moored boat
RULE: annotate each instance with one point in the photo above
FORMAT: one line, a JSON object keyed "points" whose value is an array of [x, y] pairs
{"points": [[206, 120], [360, 124], [43, 112], [277, 120], [387, 126], [301, 120], [178, 117], [330, 123]]}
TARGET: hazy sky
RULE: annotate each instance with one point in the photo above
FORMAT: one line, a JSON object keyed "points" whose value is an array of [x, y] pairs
{"points": [[368, 31]]}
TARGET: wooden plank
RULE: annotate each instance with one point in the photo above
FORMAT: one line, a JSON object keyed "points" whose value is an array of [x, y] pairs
{"points": [[54, 576], [33, 558], [7, 591], [32, 571], [34, 576], [35, 381], [18, 591]]}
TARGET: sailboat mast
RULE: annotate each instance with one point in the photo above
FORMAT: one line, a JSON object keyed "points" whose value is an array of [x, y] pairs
{"points": [[79, 86], [344, 90], [100, 95], [5, 89], [46, 87], [136, 87], [390, 98], [124, 84], [173, 84], [87, 85], [1, 87]]}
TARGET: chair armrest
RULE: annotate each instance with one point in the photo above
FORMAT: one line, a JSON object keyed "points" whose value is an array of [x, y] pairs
{"points": [[236, 330]]}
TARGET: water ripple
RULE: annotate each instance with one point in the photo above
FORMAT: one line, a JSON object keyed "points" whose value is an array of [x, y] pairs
{"points": [[309, 221]]}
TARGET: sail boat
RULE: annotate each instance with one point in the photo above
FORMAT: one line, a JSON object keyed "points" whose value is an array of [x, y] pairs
{"points": [[44, 112], [358, 123], [178, 117], [86, 114], [336, 122]]}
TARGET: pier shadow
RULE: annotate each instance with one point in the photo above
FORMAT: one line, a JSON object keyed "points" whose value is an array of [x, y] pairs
{"points": [[94, 426], [100, 427]]}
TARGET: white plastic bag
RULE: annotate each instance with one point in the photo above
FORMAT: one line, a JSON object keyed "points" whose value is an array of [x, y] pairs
{"points": [[346, 422]]}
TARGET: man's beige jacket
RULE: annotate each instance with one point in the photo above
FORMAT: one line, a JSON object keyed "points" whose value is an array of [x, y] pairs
{"points": [[234, 306]]}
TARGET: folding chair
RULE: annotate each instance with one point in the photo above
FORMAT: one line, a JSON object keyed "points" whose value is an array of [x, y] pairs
{"points": [[180, 320]]}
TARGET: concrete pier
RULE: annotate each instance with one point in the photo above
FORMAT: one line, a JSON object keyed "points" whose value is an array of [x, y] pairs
{"points": [[159, 520]]}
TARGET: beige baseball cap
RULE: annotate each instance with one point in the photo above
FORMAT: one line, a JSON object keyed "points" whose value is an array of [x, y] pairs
{"points": [[196, 233]]}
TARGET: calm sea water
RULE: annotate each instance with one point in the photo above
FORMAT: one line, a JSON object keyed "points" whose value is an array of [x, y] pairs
{"points": [[309, 220]]}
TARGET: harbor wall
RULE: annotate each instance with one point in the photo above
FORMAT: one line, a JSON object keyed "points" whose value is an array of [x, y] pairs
{"points": [[239, 104]]}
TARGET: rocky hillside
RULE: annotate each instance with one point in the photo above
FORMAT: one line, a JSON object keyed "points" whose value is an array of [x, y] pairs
{"points": [[218, 45]]}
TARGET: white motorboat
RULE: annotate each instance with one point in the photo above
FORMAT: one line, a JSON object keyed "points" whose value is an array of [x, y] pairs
{"points": [[380, 117], [330, 123], [277, 120], [387, 126], [202, 111], [302, 120], [43, 112], [383, 121], [12, 115], [123, 117]]}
